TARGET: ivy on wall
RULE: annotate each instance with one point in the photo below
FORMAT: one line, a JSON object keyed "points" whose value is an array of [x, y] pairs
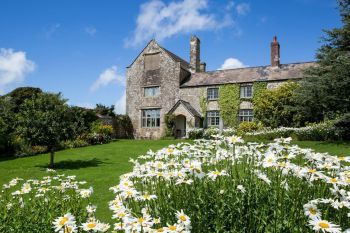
{"points": [[258, 87], [203, 104], [229, 101]]}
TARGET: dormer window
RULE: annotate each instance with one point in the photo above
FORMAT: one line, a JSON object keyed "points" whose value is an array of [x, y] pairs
{"points": [[152, 61], [151, 91], [246, 91]]}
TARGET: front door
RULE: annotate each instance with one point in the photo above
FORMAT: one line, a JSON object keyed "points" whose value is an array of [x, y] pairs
{"points": [[180, 126]]}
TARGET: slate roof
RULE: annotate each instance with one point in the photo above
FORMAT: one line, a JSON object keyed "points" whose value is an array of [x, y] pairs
{"points": [[248, 74], [183, 63], [187, 105]]}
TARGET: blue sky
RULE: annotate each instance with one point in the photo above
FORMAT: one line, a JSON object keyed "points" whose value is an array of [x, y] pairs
{"points": [[82, 48]]}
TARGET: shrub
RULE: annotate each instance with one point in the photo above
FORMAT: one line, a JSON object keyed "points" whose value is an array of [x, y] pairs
{"points": [[122, 127], [274, 107], [170, 120], [249, 126], [342, 127], [209, 132], [195, 133]]}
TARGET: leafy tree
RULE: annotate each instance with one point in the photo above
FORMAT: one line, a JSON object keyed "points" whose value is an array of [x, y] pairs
{"points": [[326, 89], [45, 121], [105, 110], [81, 119], [6, 122], [19, 95], [273, 107]]}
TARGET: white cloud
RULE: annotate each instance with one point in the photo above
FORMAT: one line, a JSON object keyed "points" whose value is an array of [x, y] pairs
{"points": [[232, 63], [14, 66], [120, 105], [242, 8], [108, 76], [160, 20], [90, 30]]}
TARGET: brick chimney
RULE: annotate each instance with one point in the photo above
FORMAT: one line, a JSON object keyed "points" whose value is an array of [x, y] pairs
{"points": [[194, 54], [275, 52]]}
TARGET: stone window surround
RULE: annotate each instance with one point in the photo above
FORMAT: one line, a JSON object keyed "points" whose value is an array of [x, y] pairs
{"points": [[212, 88], [150, 86], [245, 85], [217, 118], [142, 117], [245, 115]]}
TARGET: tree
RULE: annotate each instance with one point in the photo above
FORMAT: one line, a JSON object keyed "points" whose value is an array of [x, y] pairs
{"points": [[274, 107], [105, 110], [325, 91], [6, 122], [19, 95], [45, 121]]}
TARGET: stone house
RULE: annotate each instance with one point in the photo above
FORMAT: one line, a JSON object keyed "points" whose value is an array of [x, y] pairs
{"points": [[159, 83]]}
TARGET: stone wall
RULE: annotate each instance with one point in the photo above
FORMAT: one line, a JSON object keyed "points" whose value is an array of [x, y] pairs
{"points": [[167, 77]]}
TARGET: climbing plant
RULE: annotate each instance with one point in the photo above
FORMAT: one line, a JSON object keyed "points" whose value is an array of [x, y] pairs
{"points": [[229, 104], [258, 87], [203, 104]]}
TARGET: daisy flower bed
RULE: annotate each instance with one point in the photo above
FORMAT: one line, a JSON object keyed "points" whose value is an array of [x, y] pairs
{"points": [[227, 185], [55, 203]]}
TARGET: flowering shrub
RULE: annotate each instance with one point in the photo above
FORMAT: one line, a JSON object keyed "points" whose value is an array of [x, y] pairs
{"points": [[54, 203], [226, 185], [198, 133], [314, 132]]}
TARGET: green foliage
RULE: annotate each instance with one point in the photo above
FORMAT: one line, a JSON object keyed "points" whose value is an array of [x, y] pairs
{"points": [[325, 90], [249, 126], [258, 87], [104, 110], [19, 95], [195, 133], [203, 104], [45, 121], [273, 107], [170, 122], [342, 127], [6, 123], [229, 104], [122, 126]]}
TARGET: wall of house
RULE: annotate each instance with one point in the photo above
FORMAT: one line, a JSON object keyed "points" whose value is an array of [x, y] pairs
{"points": [[167, 77]]}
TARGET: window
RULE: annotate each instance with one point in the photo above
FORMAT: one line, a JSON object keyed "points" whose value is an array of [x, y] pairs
{"points": [[152, 61], [246, 91], [213, 118], [246, 115], [151, 91], [150, 118], [213, 93]]}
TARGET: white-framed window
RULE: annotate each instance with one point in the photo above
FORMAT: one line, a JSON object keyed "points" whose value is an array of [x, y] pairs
{"points": [[212, 93], [151, 91], [246, 115], [246, 91], [213, 118], [150, 118]]}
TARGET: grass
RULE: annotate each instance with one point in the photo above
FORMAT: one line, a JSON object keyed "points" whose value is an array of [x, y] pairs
{"points": [[102, 165], [99, 165]]}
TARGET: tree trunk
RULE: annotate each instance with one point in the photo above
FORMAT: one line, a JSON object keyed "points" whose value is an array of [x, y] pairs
{"points": [[52, 154]]}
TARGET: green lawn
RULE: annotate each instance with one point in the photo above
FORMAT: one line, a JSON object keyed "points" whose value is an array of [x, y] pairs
{"points": [[102, 165], [99, 165]]}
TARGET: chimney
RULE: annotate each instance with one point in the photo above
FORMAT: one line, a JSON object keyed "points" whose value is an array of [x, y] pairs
{"points": [[275, 52], [203, 66], [195, 54]]}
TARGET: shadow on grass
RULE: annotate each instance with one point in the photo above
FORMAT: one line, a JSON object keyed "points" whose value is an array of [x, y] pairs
{"points": [[75, 164]]}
